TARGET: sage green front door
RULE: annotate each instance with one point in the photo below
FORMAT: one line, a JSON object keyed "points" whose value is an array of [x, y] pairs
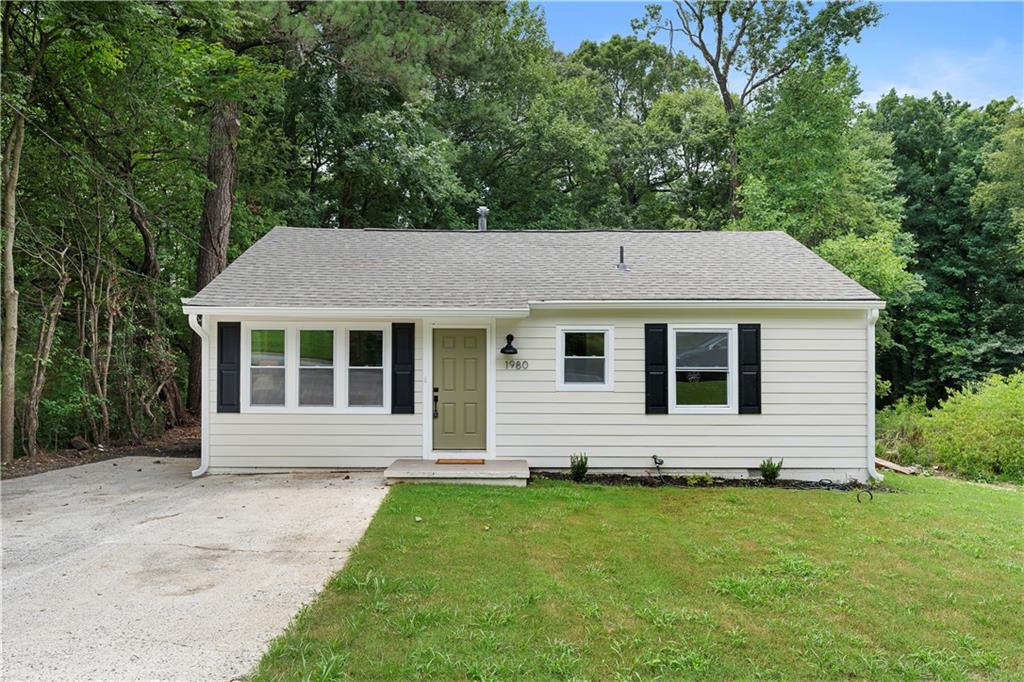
{"points": [[460, 389]]}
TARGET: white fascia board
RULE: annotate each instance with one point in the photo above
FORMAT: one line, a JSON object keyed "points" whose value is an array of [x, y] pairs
{"points": [[350, 313], [708, 304]]}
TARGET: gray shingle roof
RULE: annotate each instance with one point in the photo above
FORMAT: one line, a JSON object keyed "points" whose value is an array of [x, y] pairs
{"points": [[503, 269]]}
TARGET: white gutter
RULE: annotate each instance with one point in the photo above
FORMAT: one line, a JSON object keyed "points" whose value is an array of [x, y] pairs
{"points": [[204, 408], [702, 304], [872, 317], [283, 312]]}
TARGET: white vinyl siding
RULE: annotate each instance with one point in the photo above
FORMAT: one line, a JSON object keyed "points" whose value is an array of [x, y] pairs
{"points": [[814, 403], [315, 437], [813, 387]]}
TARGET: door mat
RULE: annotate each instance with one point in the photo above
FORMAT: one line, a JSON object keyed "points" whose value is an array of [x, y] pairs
{"points": [[460, 461]]}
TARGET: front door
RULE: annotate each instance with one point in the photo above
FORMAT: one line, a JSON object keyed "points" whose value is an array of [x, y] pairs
{"points": [[460, 389]]}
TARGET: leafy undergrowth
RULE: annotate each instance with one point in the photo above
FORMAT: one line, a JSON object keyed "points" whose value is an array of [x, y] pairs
{"points": [[561, 581], [977, 432]]}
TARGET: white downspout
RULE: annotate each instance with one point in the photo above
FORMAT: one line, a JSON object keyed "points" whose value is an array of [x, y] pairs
{"points": [[872, 319], [204, 408]]}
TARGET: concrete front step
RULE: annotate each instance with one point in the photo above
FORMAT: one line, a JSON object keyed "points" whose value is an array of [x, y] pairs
{"points": [[513, 472]]}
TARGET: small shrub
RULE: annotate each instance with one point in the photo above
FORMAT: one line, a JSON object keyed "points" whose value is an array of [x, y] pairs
{"points": [[578, 466], [707, 479], [770, 470]]}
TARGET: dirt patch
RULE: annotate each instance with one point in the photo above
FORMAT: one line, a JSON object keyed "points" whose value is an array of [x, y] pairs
{"points": [[183, 441], [653, 481]]}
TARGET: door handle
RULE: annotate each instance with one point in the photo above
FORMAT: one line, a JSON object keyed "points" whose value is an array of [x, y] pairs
{"points": [[435, 402]]}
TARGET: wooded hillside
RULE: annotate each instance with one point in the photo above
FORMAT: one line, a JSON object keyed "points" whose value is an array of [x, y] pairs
{"points": [[145, 145]]}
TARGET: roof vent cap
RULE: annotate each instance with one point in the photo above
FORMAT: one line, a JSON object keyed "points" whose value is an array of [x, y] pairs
{"points": [[481, 220], [621, 266]]}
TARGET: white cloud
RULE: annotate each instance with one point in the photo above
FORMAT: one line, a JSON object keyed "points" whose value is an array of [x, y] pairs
{"points": [[973, 77]]}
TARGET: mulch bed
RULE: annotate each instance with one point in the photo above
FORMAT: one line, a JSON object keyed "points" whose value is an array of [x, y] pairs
{"points": [[652, 481], [180, 442]]}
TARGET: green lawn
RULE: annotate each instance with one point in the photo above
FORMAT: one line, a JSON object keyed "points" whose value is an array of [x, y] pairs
{"points": [[562, 581]]}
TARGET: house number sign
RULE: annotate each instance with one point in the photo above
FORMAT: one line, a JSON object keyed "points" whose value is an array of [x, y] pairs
{"points": [[517, 364]]}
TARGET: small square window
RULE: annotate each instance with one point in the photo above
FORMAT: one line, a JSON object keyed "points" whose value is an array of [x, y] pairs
{"points": [[584, 359]]}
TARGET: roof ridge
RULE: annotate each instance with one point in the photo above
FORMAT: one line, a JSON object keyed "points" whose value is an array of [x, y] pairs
{"points": [[586, 230]]}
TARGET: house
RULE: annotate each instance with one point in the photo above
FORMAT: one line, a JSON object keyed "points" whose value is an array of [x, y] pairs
{"points": [[351, 349]]}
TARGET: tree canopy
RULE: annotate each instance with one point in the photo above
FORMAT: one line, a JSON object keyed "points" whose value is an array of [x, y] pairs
{"points": [[148, 144]]}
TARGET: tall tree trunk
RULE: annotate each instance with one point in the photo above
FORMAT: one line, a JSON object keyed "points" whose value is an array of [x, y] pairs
{"points": [[150, 267], [218, 200], [47, 330], [11, 166], [734, 181], [734, 158]]}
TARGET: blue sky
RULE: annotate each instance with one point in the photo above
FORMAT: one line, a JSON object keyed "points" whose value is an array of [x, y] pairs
{"points": [[974, 50]]}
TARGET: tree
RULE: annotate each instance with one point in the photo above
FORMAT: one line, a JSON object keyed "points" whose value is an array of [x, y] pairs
{"points": [[1000, 194], [373, 44], [967, 322], [814, 168], [521, 122], [663, 133], [26, 40], [760, 41], [810, 166]]}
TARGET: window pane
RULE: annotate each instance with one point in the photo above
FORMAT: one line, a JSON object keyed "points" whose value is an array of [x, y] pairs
{"points": [[366, 348], [366, 387], [584, 344], [584, 371], [316, 348], [267, 347], [702, 349], [266, 386], [316, 386], [702, 388]]}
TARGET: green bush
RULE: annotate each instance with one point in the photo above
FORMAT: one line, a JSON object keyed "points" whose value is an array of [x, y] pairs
{"points": [[578, 466], [979, 431], [770, 470], [898, 431]]}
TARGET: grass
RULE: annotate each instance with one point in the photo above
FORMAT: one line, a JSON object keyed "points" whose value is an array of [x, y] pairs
{"points": [[562, 581]]}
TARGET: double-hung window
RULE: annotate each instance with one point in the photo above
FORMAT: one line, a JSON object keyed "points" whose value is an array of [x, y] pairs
{"points": [[267, 361], [703, 377], [316, 367], [366, 368], [584, 361]]}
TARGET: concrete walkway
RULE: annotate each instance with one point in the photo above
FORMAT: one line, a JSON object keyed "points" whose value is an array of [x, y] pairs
{"points": [[129, 569]]}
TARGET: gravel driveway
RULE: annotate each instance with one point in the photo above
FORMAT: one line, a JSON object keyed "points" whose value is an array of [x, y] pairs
{"points": [[130, 569]]}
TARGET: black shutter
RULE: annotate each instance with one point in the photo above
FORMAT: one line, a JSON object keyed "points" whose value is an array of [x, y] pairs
{"points": [[656, 367], [229, 360], [750, 368], [403, 353]]}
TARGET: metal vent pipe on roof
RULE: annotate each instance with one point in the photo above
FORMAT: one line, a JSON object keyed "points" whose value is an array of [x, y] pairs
{"points": [[481, 221], [622, 260]]}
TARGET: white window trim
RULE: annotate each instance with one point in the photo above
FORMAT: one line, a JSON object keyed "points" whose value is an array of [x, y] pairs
{"points": [[732, 383], [247, 406], [385, 360], [609, 354], [291, 368]]}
